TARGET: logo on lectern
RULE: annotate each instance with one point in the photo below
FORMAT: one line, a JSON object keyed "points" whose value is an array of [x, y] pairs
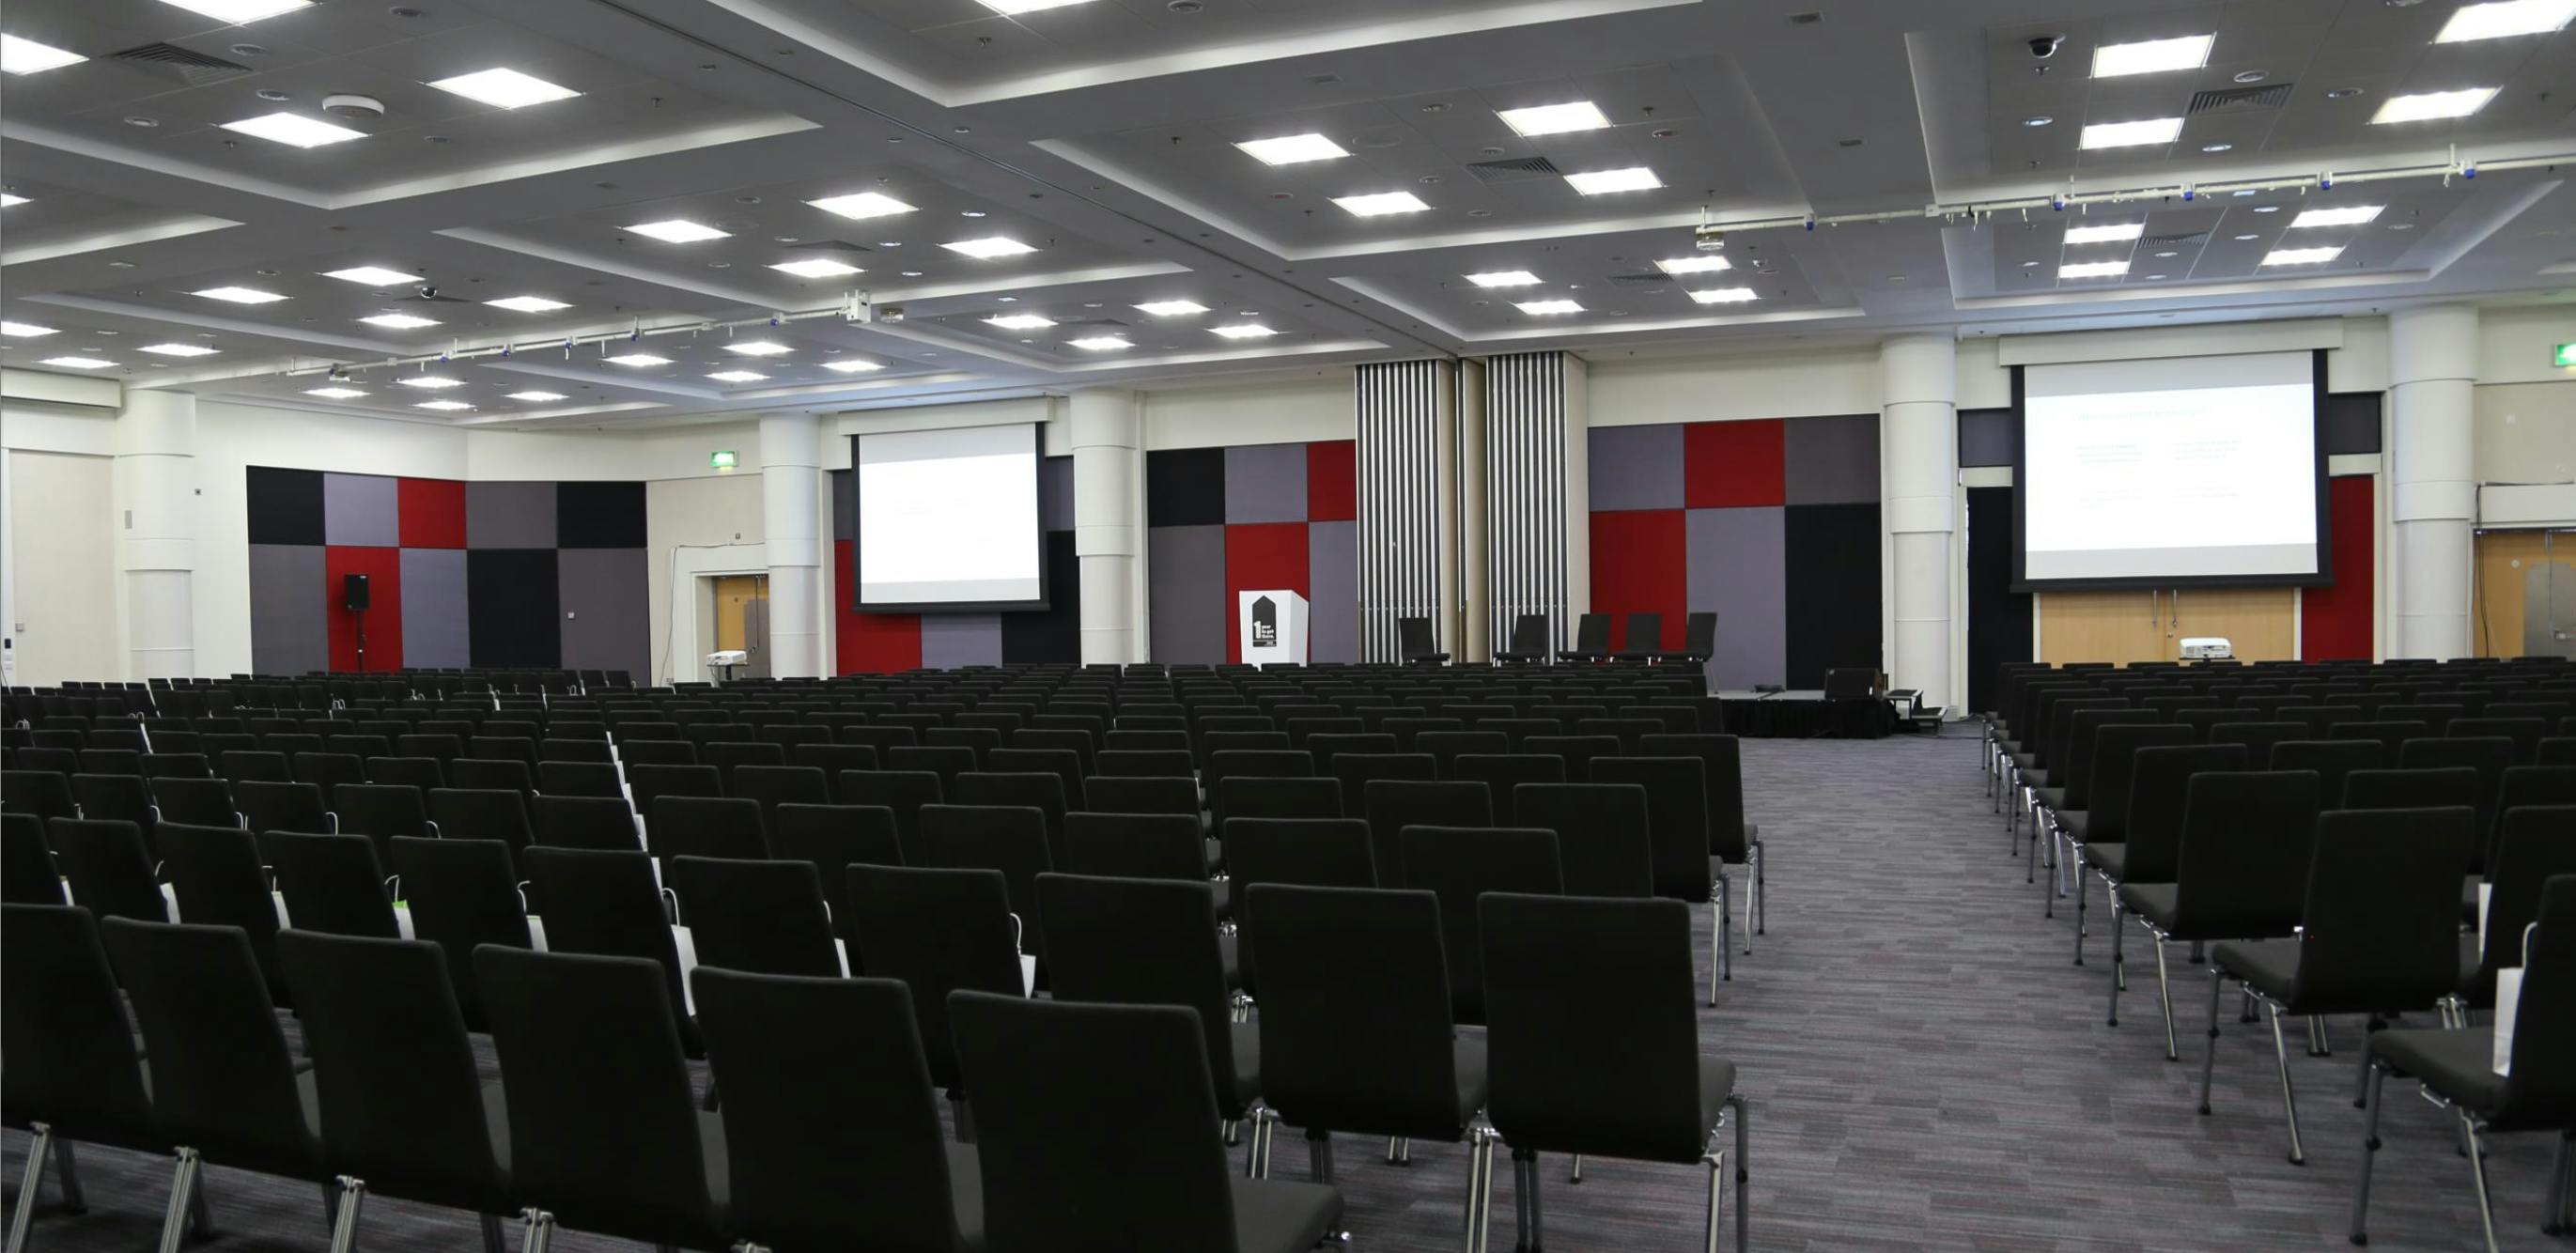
{"points": [[1265, 623]]}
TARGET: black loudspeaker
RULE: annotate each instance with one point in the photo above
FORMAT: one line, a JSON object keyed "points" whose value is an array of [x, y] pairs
{"points": [[353, 592], [1851, 683]]}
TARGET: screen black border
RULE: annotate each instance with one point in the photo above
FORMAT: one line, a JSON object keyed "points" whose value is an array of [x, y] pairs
{"points": [[858, 549], [2323, 576]]}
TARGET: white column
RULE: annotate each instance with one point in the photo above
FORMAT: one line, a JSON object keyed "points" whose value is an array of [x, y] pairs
{"points": [[791, 508], [2432, 372], [1918, 457], [1108, 523], [155, 485]]}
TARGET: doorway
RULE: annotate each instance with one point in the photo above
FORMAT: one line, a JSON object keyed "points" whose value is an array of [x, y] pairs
{"points": [[742, 620], [2526, 601]]}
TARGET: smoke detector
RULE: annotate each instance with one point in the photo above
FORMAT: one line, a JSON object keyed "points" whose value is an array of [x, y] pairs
{"points": [[353, 106]]}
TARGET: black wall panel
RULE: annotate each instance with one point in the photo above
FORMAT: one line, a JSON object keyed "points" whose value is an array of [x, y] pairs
{"points": [[1054, 635], [285, 505], [511, 615], [599, 515], [1833, 595], [1185, 487], [1998, 617], [2352, 422]]}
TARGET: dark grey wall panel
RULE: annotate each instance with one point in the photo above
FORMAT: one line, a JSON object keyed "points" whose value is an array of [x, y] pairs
{"points": [[1739, 568], [1055, 495], [433, 608], [1332, 592], [601, 594], [1987, 437], [845, 505], [1187, 584], [510, 515], [361, 509], [289, 609], [2352, 422], [1636, 467], [950, 640], [1265, 483], [1830, 461]]}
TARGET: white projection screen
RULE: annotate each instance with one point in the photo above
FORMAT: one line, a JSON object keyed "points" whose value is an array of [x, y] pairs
{"points": [[2172, 472], [948, 520]]}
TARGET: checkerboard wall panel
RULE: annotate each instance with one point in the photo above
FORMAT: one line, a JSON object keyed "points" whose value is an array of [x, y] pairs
{"points": [[1250, 517]]}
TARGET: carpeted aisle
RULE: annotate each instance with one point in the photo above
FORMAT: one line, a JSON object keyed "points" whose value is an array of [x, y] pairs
{"points": [[1928, 1071]]}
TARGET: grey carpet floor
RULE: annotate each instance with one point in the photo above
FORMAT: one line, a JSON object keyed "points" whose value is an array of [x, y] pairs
{"points": [[1927, 1071]]}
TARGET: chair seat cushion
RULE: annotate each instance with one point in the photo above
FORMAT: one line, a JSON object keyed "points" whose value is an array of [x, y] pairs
{"points": [[2271, 967], [1283, 1216], [2073, 822], [1215, 853], [966, 1192], [2110, 857], [1247, 1063], [1716, 1083], [2477, 984], [1472, 1084], [2025, 762], [2457, 1065], [2154, 902], [1229, 951], [2052, 798]]}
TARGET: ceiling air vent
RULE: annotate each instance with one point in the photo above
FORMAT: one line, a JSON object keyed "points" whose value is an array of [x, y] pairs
{"points": [[1649, 279], [2239, 99], [2193, 240], [830, 245], [1514, 170], [171, 61]]}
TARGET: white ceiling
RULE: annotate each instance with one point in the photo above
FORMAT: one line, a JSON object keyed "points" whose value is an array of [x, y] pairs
{"points": [[1102, 134]]}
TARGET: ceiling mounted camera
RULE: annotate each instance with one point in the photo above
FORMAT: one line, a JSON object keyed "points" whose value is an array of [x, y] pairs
{"points": [[2045, 46]]}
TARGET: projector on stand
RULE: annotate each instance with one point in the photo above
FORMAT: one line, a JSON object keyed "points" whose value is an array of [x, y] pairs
{"points": [[723, 663], [2207, 648]]}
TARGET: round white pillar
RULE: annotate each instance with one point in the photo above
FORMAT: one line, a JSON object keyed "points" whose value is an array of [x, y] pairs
{"points": [[1108, 512], [1919, 459], [791, 509], [2432, 372], [155, 488]]}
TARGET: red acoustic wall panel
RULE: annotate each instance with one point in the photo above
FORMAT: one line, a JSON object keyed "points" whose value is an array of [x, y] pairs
{"points": [[2335, 622], [432, 512], [1332, 468], [1261, 556], [1640, 562], [383, 568], [1728, 465], [874, 643]]}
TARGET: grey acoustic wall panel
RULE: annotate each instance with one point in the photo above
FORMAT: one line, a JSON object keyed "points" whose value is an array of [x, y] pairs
{"points": [[950, 640], [510, 515], [1829, 461], [1987, 437], [433, 608], [1738, 568], [1055, 494], [1636, 467], [601, 593], [361, 509], [1187, 565], [1332, 592], [290, 615], [845, 505], [1265, 483]]}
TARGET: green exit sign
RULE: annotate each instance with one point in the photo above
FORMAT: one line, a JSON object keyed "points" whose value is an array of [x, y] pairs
{"points": [[2566, 355], [723, 460]]}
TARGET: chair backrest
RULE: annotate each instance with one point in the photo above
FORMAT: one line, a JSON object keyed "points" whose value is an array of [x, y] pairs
{"points": [[764, 916], [832, 838], [606, 904], [1144, 942], [28, 875], [902, 791], [1529, 636], [773, 786], [1394, 804], [936, 931], [2391, 734], [296, 807], [462, 894], [1602, 834], [2159, 784], [380, 812], [244, 765], [706, 826], [1142, 794], [423, 773], [1721, 781], [2541, 1090], [1592, 634], [1579, 752], [2534, 844], [604, 1132], [831, 1126], [1355, 1027], [481, 814], [1095, 1126], [2247, 837], [200, 802], [491, 772], [2524, 786], [579, 778], [1262, 796], [222, 1080], [401, 1104], [1133, 763], [1645, 633], [1699, 634], [646, 784], [217, 877], [1676, 818], [177, 766], [992, 837], [108, 867], [1134, 846], [328, 770], [1414, 639], [1460, 865], [1501, 773], [1592, 1028], [120, 796], [63, 1028], [332, 883], [2083, 734], [2115, 761], [1356, 771], [593, 822], [2333, 760]]}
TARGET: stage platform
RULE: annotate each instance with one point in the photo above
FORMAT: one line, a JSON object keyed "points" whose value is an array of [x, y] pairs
{"points": [[1805, 713]]}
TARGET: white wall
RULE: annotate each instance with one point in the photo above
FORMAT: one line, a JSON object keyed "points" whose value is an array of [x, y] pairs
{"points": [[689, 523], [65, 621], [1292, 411], [1636, 391]]}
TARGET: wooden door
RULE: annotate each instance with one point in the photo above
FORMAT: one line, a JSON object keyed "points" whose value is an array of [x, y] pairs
{"points": [[2122, 627], [2526, 601], [742, 620]]}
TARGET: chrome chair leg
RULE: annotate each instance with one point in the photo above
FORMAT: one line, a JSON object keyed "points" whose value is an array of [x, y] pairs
{"points": [[67, 1179], [1319, 1157], [29, 1185], [1231, 1130], [2289, 1098], [1480, 1186], [1716, 1160], [344, 1225], [2080, 895], [2164, 996], [2318, 1044], [541, 1231], [1761, 905], [2361, 1071], [2554, 1211], [183, 1189], [1399, 1151], [1743, 1156], [2115, 959], [2369, 1150], [1576, 1177], [2478, 1175], [491, 1224], [2209, 1049]]}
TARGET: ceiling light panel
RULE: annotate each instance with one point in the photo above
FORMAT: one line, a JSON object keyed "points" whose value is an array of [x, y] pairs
{"points": [[1542, 308], [77, 363], [1020, 322], [2433, 106], [1379, 204], [679, 231], [2349, 215], [2506, 17], [851, 366], [24, 330], [1554, 119], [1725, 296], [1704, 263], [737, 376], [430, 382], [504, 88], [443, 406], [536, 397], [988, 248], [1504, 278], [759, 348], [636, 360], [240, 295], [11, 200], [179, 350], [1603, 182], [373, 276], [1011, 7], [26, 56], [1171, 308], [2105, 234], [2161, 130], [399, 321], [1100, 343], [2152, 56], [816, 267], [334, 393], [2303, 256], [240, 10], [294, 130], [1292, 149], [527, 304], [861, 206], [1246, 330], [2094, 269]]}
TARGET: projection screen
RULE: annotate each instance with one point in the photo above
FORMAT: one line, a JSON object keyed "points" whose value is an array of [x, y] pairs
{"points": [[948, 520]]}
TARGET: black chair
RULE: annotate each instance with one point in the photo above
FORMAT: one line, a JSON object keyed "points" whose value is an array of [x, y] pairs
{"points": [[485, 774], [28, 875], [1356, 771], [1699, 640], [1595, 1045], [1528, 644], [706, 826], [254, 766], [1591, 639], [1578, 752], [1602, 834], [1732, 841], [593, 822], [1415, 645], [761, 916], [2379, 933], [1043, 792], [224, 1087], [217, 879], [605, 904], [1144, 763], [296, 807], [2333, 760], [616, 1149], [482, 814], [381, 812], [403, 1112], [332, 883], [936, 931], [1136, 846], [579, 778], [422, 773], [74, 1073], [122, 797], [198, 802], [1501, 773], [109, 871], [1643, 639], [1460, 865], [2391, 734], [1097, 1130], [1327, 746], [1394, 804], [904, 792], [2523, 787], [832, 759], [1446, 747], [1266, 796], [2534, 844], [463, 894], [177, 766], [832, 838], [328, 771], [1141, 794], [986, 837], [831, 1127], [2151, 830]]}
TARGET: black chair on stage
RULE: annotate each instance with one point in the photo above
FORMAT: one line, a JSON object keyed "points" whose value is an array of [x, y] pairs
{"points": [[1644, 640], [1699, 640], [1415, 645], [1528, 644], [1591, 639]]}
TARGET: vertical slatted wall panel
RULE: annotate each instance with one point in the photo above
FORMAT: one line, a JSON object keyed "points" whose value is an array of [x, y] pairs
{"points": [[1397, 405], [1525, 491]]}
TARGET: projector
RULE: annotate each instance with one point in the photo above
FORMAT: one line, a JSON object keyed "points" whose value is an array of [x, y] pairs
{"points": [[2207, 648], [729, 657]]}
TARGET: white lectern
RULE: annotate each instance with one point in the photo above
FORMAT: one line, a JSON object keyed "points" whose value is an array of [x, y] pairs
{"points": [[1273, 626]]}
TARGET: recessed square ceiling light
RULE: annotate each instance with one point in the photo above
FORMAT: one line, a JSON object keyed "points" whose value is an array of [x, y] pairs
{"points": [[737, 376], [77, 363], [26, 56], [240, 295], [1172, 308], [1543, 307], [1503, 278], [180, 350], [2350, 215], [2505, 17], [372, 276], [527, 304], [240, 10], [334, 393], [1246, 330], [1100, 343], [2433, 105], [1600, 182], [399, 321], [1381, 204], [24, 330], [1726, 296], [1291, 149], [2159, 130], [1554, 119], [2302, 256], [816, 267], [443, 406], [431, 382], [759, 348], [1007, 7], [536, 397], [1020, 322], [636, 360], [849, 365], [294, 129], [678, 231], [1704, 263], [504, 89], [989, 247], [2152, 56], [861, 205], [2105, 234], [2094, 269], [11, 200]]}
